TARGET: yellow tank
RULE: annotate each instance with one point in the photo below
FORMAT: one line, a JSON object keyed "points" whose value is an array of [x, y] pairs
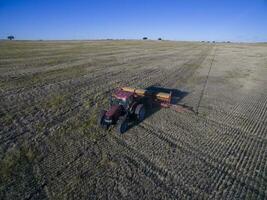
{"points": [[162, 96]]}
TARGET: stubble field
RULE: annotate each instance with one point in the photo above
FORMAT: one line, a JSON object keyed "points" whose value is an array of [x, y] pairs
{"points": [[52, 148]]}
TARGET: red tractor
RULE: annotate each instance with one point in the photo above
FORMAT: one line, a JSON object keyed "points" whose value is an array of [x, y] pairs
{"points": [[130, 104]]}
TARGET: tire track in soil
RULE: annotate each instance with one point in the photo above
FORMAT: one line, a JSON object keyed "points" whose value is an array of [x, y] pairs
{"points": [[186, 71], [206, 81]]}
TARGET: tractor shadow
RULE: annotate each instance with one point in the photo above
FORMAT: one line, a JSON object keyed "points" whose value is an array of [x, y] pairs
{"points": [[177, 96]]}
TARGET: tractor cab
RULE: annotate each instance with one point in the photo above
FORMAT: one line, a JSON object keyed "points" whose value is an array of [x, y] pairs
{"points": [[123, 98]]}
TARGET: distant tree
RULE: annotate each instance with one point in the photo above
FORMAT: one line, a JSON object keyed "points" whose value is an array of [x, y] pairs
{"points": [[10, 37], [159, 38], [213, 41], [145, 38]]}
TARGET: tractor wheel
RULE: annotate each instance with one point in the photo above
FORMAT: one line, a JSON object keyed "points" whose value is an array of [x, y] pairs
{"points": [[122, 125], [140, 112], [101, 119], [105, 126]]}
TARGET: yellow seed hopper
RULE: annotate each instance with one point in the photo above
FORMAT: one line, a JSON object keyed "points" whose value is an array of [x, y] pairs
{"points": [[163, 98]]}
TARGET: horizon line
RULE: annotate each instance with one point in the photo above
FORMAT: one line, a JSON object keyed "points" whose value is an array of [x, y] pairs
{"points": [[152, 39]]}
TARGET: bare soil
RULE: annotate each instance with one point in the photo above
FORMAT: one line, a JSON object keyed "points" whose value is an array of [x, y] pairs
{"points": [[51, 147]]}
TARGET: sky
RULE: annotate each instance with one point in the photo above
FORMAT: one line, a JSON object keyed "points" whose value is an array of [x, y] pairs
{"points": [[193, 20]]}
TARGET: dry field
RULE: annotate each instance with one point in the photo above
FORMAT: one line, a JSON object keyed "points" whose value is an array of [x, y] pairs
{"points": [[51, 147]]}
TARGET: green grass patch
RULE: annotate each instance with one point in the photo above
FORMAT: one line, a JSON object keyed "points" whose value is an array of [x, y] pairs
{"points": [[36, 79], [56, 101], [15, 159], [17, 177], [7, 119]]}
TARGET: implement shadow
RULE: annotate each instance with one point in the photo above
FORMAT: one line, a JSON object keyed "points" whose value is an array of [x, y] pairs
{"points": [[176, 97]]}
